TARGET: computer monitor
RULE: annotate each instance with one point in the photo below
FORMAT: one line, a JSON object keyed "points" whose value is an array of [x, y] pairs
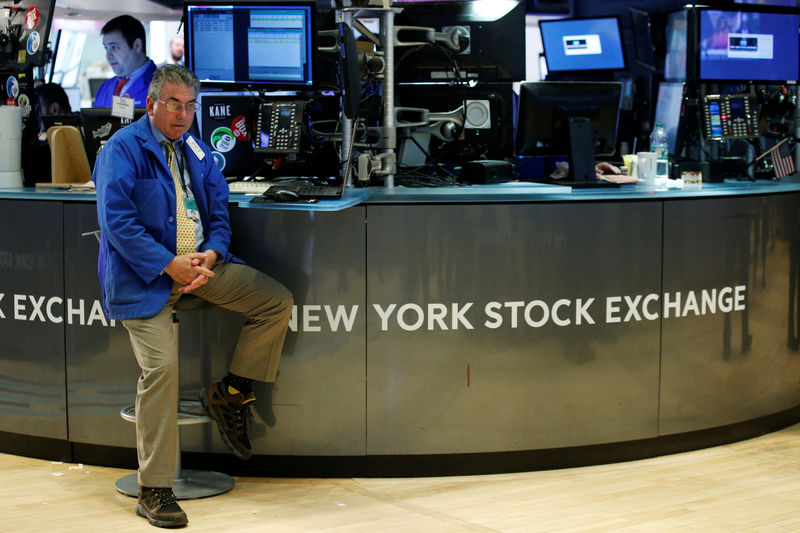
{"points": [[758, 45], [98, 125], [576, 118], [786, 3], [590, 44], [642, 37], [252, 45], [70, 119], [668, 110], [349, 71], [561, 7], [495, 51], [675, 60], [224, 128]]}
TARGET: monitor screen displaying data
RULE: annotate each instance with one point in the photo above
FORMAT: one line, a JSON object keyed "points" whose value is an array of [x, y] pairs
{"points": [[582, 44], [251, 45], [668, 110], [749, 46]]}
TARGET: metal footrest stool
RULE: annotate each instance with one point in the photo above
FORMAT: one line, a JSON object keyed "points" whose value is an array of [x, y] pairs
{"points": [[188, 484]]}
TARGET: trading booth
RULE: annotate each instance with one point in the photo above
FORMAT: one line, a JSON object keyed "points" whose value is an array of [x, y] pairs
{"points": [[460, 306]]}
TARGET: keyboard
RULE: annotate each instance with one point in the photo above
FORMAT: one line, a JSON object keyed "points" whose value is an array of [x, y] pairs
{"points": [[248, 187], [307, 189]]}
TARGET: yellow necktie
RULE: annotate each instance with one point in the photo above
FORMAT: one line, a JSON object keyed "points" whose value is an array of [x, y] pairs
{"points": [[186, 241]]}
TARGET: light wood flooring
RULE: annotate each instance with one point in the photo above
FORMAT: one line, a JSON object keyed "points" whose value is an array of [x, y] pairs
{"points": [[747, 486]]}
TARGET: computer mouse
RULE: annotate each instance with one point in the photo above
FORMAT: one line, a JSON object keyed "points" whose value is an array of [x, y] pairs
{"points": [[284, 195]]}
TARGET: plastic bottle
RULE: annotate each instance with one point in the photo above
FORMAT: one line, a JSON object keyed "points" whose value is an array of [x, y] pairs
{"points": [[658, 144]]}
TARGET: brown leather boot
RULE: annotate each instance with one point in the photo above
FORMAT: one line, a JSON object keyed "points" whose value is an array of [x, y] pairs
{"points": [[230, 409], [158, 505]]}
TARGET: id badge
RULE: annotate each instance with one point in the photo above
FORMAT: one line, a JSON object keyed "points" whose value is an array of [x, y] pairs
{"points": [[191, 209], [122, 107]]}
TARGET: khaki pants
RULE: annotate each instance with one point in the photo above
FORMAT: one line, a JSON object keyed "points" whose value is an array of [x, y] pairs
{"points": [[239, 288]]}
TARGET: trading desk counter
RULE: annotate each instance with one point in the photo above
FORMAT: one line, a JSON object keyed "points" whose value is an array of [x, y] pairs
{"points": [[437, 331]]}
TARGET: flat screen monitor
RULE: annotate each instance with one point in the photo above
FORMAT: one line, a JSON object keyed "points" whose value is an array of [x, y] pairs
{"points": [[494, 44], [645, 52], [675, 60], [786, 3], [350, 72], [258, 45], [668, 110], [742, 45], [575, 118], [561, 7], [98, 125], [223, 126], [582, 44]]}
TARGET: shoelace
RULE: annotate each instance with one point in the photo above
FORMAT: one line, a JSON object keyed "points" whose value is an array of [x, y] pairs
{"points": [[247, 417], [165, 495], [242, 418]]}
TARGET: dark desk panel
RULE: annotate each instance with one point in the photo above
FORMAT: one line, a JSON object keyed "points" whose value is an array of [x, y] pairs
{"points": [[33, 312], [487, 383], [722, 368], [317, 406]]}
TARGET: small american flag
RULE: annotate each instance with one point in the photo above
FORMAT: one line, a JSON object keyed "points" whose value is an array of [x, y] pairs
{"points": [[782, 160]]}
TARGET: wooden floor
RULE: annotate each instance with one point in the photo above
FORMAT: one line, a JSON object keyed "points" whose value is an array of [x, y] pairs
{"points": [[748, 486]]}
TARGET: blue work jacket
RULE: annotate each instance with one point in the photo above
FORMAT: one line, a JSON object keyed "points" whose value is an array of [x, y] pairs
{"points": [[137, 90], [136, 207]]}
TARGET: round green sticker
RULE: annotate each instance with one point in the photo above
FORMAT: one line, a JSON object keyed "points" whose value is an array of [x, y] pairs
{"points": [[222, 140]]}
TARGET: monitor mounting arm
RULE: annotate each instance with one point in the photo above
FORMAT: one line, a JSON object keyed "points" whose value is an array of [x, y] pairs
{"points": [[443, 125], [456, 38]]}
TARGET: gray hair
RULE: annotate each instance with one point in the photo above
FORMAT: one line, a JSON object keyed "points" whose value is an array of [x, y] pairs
{"points": [[175, 74]]}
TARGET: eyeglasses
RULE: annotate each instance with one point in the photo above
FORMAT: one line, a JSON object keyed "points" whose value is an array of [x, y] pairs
{"points": [[173, 106]]}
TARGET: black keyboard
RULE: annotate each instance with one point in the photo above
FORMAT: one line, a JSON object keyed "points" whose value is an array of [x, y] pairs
{"points": [[310, 190], [295, 191]]}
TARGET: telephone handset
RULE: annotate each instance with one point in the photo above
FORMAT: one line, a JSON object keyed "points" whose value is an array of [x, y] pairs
{"points": [[278, 126]]}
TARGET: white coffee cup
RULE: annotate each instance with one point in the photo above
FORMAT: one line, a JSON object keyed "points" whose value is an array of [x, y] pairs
{"points": [[646, 163]]}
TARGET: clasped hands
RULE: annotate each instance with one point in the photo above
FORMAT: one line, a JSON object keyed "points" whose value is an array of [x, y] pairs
{"points": [[192, 270]]}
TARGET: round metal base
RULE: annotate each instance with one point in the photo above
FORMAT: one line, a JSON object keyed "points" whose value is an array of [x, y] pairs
{"points": [[192, 484]]}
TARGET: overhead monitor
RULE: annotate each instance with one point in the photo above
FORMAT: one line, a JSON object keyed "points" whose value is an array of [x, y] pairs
{"points": [[576, 119], [786, 3], [675, 60], [645, 52], [582, 44], [561, 7], [253, 45], [749, 45]]}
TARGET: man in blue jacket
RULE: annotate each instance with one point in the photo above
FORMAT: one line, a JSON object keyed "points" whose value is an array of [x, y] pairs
{"points": [[126, 52], [162, 206]]}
